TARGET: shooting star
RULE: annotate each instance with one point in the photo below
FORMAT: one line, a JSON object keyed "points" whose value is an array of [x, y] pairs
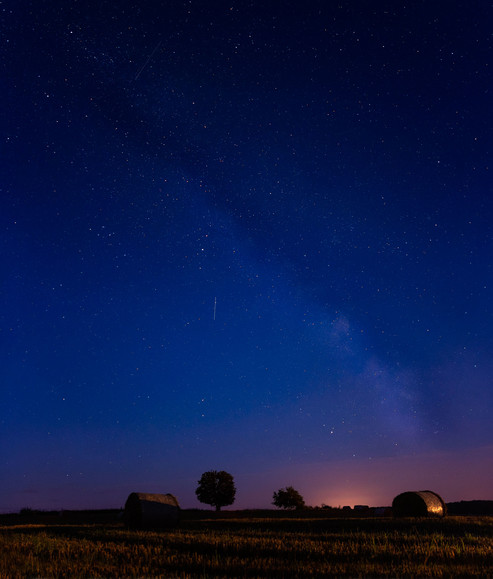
{"points": [[148, 59], [215, 303]]}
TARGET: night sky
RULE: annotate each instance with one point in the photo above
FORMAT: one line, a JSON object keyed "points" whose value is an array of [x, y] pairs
{"points": [[245, 236]]}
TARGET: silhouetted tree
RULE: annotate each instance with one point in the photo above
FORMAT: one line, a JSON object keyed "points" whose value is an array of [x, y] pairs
{"points": [[216, 488], [288, 498]]}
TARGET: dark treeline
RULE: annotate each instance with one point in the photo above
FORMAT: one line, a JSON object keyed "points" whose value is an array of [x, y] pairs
{"points": [[470, 508], [476, 507]]}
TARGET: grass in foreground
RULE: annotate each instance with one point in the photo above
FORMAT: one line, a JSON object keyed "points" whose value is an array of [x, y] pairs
{"points": [[255, 547]]}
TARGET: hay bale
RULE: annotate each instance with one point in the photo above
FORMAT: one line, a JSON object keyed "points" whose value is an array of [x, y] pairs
{"points": [[418, 504], [148, 510]]}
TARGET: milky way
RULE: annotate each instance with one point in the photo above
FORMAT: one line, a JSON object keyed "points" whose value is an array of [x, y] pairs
{"points": [[246, 238]]}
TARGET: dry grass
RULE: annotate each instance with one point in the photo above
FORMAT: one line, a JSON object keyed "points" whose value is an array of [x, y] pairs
{"points": [[253, 547]]}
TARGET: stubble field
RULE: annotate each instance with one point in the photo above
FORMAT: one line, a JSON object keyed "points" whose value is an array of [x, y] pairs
{"points": [[254, 545]]}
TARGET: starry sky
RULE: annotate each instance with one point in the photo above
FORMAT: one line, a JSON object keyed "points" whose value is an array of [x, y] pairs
{"points": [[245, 236]]}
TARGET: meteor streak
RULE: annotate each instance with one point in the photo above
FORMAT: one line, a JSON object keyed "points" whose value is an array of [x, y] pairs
{"points": [[148, 59]]}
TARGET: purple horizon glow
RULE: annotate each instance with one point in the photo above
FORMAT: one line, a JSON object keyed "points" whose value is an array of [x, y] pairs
{"points": [[349, 482]]}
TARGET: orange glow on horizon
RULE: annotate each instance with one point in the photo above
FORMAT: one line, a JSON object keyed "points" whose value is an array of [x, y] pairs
{"points": [[344, 498]]}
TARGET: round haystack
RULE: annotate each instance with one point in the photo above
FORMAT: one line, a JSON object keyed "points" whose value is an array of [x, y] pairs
{"points": [[418, 504], [146, 510]]}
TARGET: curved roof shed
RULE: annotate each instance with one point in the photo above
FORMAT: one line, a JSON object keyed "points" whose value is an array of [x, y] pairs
{"points": [[418, 504], [151, 510]]}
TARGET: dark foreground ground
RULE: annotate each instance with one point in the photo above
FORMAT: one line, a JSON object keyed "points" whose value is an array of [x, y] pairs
{"points": [[311, 543]]}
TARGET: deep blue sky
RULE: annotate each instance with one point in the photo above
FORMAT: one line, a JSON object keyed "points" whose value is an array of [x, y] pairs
{"points": [[245, 237]]}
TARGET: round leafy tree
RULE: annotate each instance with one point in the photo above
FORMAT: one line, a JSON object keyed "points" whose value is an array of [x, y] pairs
{"points": [[216, 488], [288, 498]]}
